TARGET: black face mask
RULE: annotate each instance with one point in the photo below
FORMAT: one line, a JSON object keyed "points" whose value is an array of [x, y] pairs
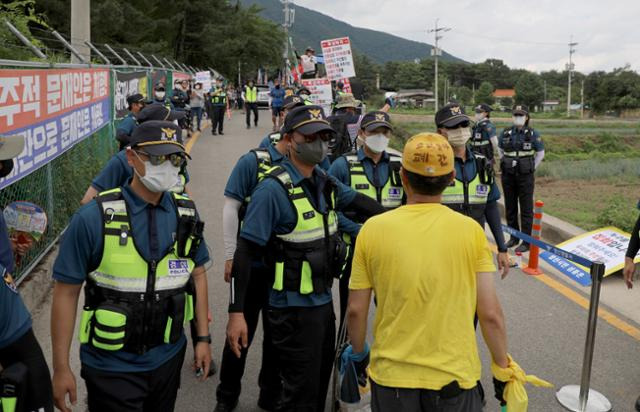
{"points": [[278, 86], [7, 167]]}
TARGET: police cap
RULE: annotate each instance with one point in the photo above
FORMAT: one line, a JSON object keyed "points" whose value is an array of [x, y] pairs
{"points": [[308, 120], [157, 111], [520, 109], [158, 137], [135, 98], [373, 120], [450, 116], [483, 108], [292, 101], [159, 86]]}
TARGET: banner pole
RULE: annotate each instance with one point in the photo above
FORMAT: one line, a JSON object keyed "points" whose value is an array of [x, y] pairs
{"points": [[581, 398]]}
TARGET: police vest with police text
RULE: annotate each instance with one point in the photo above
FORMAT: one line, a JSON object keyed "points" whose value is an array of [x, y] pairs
{"points": [[131, 303], [470, 198], [390, 194], [519, 154], [308, 258], [480, 139]]}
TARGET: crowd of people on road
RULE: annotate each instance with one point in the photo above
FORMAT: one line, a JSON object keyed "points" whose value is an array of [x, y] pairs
{"points": [[321, 198]]}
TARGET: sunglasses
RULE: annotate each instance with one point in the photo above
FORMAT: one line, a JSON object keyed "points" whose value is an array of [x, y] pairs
{"points": [[325, 137], [176, 159]]}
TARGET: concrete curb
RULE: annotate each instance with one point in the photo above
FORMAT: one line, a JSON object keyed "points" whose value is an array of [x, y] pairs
{"points": [[554, 230]]}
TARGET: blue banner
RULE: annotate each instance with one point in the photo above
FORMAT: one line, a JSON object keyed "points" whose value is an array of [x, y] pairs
{"points": [[549, 248], [48, 139], [568, 268]]}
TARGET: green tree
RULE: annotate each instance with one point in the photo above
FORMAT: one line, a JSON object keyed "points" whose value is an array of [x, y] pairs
{"points": [[464, 95], [23, 16], [484, 94], [529, 90]]}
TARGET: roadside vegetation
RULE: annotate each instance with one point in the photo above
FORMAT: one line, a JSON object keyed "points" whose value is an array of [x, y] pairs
{"points": [[590, 176]]}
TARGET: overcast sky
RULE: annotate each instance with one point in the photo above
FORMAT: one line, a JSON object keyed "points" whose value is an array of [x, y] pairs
{"points": [[525, 34]]}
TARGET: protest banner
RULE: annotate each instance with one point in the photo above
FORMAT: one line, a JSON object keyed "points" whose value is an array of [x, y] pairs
{"points": [[338, 59], [607, 245], [205, 79], [53, 110], [320, 93], [128, 83]]}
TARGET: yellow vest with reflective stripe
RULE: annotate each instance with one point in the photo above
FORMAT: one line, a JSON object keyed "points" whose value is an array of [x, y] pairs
{"points": [[389, 195], [310, 232], [251, 94], [124, 272], [468, 198]]}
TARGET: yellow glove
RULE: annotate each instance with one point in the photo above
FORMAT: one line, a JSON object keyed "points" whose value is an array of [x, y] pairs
{"points": [[514, 392]]}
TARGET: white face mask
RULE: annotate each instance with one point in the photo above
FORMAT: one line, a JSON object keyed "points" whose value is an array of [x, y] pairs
{"points": [[159, 178], [160, 95], [377, 143], [519, 120], [479, 116], [458, 137]]}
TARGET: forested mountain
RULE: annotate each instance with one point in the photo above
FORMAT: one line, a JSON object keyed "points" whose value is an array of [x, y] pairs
{"points": [[311, 27]]}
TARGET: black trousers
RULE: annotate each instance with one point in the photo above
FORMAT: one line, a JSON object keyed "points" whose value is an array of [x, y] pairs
{"points": [[304, 338], [150, 391], [232, 367], [384, 399], [344, 284], [38, 386], [518, 189], [217, 118], [251, 107]]}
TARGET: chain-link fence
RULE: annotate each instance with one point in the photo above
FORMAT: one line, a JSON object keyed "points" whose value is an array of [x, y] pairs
{"points": [[58, 188]]}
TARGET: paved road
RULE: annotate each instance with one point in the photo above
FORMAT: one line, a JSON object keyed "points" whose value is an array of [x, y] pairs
{"points": [[546, 329]]}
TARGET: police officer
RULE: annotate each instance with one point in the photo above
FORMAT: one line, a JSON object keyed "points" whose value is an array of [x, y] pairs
{"points": [[474, 192], [179, 96], [373, 172], [289, 103], [305, 94], [19, 348], [245, 176], [523, 152], [250, 96], [483, 134], [160, 96], [273, 138], [292, 220], [140, 252], [129, 123], [218, 104], [117, 171]]}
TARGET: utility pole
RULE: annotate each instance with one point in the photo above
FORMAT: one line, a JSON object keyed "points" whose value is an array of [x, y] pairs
{"points": [[570, 68], [582, 99], [289, 16], [435, 52], [80, 29]]}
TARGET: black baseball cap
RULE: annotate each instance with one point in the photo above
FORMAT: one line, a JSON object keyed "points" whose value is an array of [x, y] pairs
{"points": [[159, 86], [309, 119], [450, 116], [483, 108], [373, 120], [520, 109], [292, 101], [158, 137], [157, 111], [135, 98]]}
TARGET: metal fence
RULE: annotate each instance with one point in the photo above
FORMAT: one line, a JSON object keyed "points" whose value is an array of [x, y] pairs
{"points": [[59, 185], [58, 188]]}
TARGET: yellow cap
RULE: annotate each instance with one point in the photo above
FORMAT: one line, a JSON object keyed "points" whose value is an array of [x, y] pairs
{"points": [[428, 154]]}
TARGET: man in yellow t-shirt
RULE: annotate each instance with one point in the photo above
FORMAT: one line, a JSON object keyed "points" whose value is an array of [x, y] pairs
{"points": [[428, 288]]}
